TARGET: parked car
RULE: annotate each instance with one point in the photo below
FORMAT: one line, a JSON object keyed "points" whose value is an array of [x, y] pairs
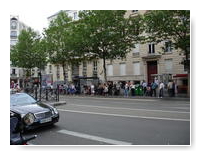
{"points": [[42, 114]]}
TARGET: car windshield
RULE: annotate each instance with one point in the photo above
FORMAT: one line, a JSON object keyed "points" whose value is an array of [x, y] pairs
{"points": [[21, 99]]}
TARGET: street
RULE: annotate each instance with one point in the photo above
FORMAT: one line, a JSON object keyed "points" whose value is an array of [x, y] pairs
{"points": [[118, 121]]}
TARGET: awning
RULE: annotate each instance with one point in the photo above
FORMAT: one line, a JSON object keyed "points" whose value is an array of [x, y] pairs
{"points": [[180, 75]]}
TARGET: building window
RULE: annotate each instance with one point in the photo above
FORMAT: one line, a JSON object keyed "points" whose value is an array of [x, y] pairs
{"points": [[13, 25], [168, 65], [75, 15], [13, 34], [84, 69], [122, 69], [13, 42], [110, 70], [136, 50], [136, 68], [13, 72], [168, 46], [75, 70], [151, 48], [95, 68]]}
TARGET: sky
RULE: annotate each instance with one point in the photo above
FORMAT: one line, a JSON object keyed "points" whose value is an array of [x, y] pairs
{"points": [[36, 21]]}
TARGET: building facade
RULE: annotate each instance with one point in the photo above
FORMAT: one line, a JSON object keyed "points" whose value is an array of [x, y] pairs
{"points": [[145, 62], [16, 74]]}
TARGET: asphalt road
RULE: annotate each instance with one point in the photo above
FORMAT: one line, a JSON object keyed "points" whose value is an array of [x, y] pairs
{"points": [[118, 121]]}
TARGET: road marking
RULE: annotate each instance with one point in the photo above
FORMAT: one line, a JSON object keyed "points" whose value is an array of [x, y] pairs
{"points": [[95, 138], [132, 116], [119, 108]]}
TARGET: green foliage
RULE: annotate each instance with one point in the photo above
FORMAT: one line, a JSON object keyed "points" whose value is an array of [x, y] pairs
{"points": [[169, 24], [28, 52], [106, 34], [59, 40]]}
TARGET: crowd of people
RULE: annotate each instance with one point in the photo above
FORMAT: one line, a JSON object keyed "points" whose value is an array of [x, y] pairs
{"points": [[14, 87], [126, 89]]}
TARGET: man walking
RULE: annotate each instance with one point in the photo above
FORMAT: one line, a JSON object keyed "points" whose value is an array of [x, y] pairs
{"points": [[161, 88]]}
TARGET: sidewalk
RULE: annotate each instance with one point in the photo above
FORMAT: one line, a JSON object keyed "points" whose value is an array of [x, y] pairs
{"points": [[181, 98], [63, 101]]}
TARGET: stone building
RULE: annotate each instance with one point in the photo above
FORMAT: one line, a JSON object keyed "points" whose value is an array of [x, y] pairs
{"points": [[144, 62], [16, 74]]}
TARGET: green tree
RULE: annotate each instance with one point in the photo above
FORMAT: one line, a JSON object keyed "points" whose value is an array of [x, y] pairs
{"points": [[173, 25], [105, 34], [28, 52], [58, 38]]}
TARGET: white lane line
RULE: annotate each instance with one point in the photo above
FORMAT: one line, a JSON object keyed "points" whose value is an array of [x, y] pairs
{"points": [[95, 138], [132, 116], [118, 108]]}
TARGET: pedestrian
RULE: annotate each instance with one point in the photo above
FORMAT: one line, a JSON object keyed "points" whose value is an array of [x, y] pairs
{"points": [[173, 89], [92, 89], [105, 90], [12, 85], [126, 90], [170, 88], [148, 91], [132, 87], [161, 89], [17, 88], [153, 87], [144, 87], [118, 88]]}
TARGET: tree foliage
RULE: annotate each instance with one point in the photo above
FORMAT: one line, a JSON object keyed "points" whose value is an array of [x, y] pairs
{"points": [[29, 51], [105, 34], [171, 25], [59, 42]]}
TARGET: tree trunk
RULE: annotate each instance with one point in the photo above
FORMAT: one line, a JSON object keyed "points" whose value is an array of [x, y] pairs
{"points": [[64, 73], [104, 69]]}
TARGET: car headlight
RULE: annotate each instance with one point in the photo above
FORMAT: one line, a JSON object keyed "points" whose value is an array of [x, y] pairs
{"points": [[29, 119], [55, 111]]}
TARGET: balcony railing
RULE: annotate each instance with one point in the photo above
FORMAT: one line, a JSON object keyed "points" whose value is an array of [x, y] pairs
{"points": [[136, 54], [14, 75]]}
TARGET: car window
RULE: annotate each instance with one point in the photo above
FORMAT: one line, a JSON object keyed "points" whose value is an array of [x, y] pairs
{"points": [[21, 99]]}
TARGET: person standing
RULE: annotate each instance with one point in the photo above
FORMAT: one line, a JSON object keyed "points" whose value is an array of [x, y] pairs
{"points": [[17, 88], [161, 89], [92, 89], [132, 87], [144, 87], [105, 90], [153, 87], [126, 89], [170, 88]]}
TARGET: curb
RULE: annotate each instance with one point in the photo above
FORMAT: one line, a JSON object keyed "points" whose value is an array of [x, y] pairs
{"points": [[54, 104], [120, 97]]}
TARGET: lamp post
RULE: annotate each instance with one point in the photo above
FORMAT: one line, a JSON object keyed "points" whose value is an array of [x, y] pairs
{"points": [[40, 82]]}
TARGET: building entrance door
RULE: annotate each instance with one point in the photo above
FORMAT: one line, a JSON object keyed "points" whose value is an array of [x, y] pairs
{"points": [[151, 69]]}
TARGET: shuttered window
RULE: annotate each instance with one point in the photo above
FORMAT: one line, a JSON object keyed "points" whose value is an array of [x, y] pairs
{"points": [[168, 65], [110, 70], [136, 68], [122, 69]]}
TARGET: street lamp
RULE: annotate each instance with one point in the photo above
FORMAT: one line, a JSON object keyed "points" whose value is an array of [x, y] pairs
{"points": [[40, 82]]}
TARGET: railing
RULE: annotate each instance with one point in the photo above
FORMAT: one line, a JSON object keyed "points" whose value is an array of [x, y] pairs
{"points": [[43, 94]]}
